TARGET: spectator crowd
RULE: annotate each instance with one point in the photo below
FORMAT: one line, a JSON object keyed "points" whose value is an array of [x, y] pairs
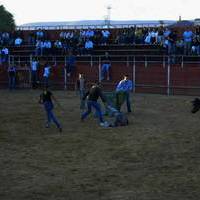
{"points": [[82, 42]]}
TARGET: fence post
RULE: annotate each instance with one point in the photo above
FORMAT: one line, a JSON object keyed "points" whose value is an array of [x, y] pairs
{"points": [[65, 75], [182, 62], [134, 72], [163, 61], [99, 69], [9, 60], [127, 61], [168, 77], [91, 61], [30, 69], [146, 61]]}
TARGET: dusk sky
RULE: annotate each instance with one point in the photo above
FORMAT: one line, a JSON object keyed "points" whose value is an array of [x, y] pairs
{"points": [[26, 11]]}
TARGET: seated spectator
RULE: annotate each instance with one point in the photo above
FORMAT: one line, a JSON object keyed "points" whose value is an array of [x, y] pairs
{"points": [[89, 34], [18, 41], [154, 36], [62, 35], [57, 47], [139, 37], [47, 47], [195, 46], [39, 34], [105, 36], [31, 39], [88, 47], [4, 55], [5, 38], [148, 39]]}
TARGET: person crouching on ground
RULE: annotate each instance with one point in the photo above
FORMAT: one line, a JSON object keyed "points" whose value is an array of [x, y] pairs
{"points": [[46, 99], [92, 96]]}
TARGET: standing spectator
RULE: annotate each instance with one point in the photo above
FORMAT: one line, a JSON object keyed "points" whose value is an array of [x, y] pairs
{"points": [[105, 68], [88, 46], [4, 54], [123, 90], [46, 74], [34, 73], [70, 63], [81, 87], [12, 77], [105, 36], [187, 38], [172, 38], [18, 41]]}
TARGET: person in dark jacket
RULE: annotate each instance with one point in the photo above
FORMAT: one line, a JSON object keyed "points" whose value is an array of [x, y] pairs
{"points": [[46, 99], [94, 93]]}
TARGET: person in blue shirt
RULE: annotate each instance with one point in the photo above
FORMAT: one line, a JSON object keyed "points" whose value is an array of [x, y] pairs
{"points": [[123, 89]]}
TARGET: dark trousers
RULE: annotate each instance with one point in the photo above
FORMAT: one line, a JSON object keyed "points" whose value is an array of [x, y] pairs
{"points": [[122, 96], [96, 106]]}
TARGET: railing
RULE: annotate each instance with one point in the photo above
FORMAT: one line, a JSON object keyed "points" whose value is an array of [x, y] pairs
{"points": [[131, 64]]}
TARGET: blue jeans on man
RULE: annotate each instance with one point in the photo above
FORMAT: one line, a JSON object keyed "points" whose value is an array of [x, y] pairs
{"points": [[96, 106], [12, 82], [48, 106], [34, 78], [105, 71]]}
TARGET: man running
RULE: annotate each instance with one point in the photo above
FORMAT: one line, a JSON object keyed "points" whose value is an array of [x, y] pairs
{"points": [[46, 99]]}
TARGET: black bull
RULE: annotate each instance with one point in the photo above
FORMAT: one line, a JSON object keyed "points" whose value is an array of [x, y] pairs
{"points": [[196, 105]]}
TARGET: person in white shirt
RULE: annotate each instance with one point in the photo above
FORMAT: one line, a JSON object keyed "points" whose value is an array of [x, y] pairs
{"points": [[187, 38], [4, 54], [46, 74], [105, 36], [89, 46], [39, 48], [47, 47], [34, 73], [18, 41]]}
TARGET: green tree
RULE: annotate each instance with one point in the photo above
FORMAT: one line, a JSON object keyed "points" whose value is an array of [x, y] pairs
{"points": [[7, 22]]}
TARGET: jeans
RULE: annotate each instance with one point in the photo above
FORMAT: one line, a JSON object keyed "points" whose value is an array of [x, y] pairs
{"points": [[105, 69], [119, 100], [34, 78], [46, 81], [96, 106], [48, 106], [82, 102], [12, 82]]}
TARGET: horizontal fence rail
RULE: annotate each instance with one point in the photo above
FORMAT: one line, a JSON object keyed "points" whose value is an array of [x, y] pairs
{"points": [[150, 73]]}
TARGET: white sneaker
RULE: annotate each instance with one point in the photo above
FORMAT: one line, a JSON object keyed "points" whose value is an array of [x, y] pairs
{"points": [[102, 124]]}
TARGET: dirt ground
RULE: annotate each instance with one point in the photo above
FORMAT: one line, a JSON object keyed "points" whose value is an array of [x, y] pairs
{"points": [[156, 157]]}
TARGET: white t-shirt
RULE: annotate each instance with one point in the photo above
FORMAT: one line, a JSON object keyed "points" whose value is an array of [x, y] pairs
{"points": [[18, 41], [34, 65], [89, 44], [5, 51], [46, 71]]}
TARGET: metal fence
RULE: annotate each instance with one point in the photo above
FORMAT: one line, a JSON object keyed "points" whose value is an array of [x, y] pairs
{"points": [[166, 73]]}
